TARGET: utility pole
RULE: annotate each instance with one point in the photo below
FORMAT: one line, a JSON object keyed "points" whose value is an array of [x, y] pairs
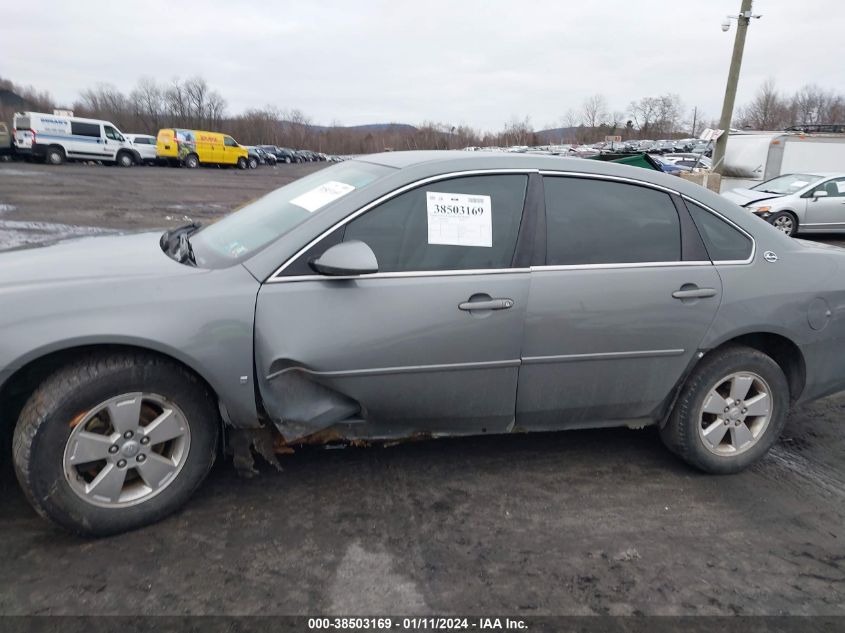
{"points": [[742, 21], [694, 119]]}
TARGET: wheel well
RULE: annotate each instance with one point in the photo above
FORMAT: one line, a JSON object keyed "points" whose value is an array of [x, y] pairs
{"points": [[783, 351], [19, 387]]}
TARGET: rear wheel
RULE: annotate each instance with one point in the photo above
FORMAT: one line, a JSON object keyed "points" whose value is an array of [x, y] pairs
{"points": [[192, 161], [730, 412], [54, 156], [114, 442], [287, 159]]}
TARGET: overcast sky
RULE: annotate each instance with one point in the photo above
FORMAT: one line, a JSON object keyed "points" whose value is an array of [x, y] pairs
{"points": [[470, 62]]}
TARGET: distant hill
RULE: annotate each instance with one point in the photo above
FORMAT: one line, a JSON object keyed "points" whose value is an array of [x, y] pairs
{"points": [[372, 127], [556, 135]]}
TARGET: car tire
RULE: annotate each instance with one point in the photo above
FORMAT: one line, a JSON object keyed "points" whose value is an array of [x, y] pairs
{"points": [[253, 163], [54, 156], [287, 159], [124, 159], [192, 161], [732, 438], [55, 426], [786, 222], [242, 164]]}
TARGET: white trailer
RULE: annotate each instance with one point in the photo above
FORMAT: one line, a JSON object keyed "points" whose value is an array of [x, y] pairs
{"points": [[754, 157]]}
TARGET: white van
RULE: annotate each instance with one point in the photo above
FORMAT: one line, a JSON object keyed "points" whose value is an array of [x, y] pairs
{"points": [[56, 138], [754, 157]]}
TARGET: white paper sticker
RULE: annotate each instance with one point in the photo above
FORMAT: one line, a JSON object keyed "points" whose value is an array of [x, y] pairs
{"points": [[840, 186], [798, 184], [459, 219], [322, 195]]}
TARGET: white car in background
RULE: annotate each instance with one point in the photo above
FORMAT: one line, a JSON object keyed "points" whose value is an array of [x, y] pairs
{"points": [[145, 145], [806, 203]]}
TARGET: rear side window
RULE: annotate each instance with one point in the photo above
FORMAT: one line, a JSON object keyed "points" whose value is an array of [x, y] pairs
{"points": [[723, 242], [603, 222], [85, 129], [460, 224]]}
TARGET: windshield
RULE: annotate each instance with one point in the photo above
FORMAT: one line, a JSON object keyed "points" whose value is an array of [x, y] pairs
{"points": [[248, 230], [784, 185]]}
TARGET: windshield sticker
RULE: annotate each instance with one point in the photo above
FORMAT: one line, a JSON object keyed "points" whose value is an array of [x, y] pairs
{"points": [[458, 219], [322, 195], [840, 186], [797, 184]]}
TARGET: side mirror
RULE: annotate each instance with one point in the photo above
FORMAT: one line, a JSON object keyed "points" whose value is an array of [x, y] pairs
{"points": [[347, 258], [820, 193]]}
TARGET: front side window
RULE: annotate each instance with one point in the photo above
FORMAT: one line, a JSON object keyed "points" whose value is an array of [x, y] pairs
{"points": [[245, 232], [834, 188], [603, 222], [112, 133], [722, 241], [466, 223], [229, 142]]}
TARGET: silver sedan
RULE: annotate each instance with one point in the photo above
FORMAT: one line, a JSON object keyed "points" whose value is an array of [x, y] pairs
{"points": [[809, 203], [403, 295]]}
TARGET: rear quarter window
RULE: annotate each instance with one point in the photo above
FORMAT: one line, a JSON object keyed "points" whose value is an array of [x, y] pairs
{"points": [[724, 242], [85, 129]]}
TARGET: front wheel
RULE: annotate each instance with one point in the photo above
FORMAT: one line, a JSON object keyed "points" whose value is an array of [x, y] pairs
{"points": [[242, 164], [115, 442], [730, 412], [253, 163], [125, 160], [785, 221]]}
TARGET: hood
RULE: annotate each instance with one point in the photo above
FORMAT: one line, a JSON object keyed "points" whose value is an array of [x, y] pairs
{"points": [[102, 257], [744, 197]]}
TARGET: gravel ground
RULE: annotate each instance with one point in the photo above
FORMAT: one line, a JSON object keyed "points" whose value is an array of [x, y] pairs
{"points": [[583, 522]]}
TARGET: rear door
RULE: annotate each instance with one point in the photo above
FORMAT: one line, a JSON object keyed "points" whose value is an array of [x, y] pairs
{"points": [[618, 310], [403, 351]]}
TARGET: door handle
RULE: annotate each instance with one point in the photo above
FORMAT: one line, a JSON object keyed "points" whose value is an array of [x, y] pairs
{"points": [[694, 293], [491, 304]]}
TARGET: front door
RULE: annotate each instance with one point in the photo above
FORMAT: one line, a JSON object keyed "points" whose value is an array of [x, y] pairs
{"points": [[112, 141], [403, 351], [827, 211], [618, 311], [229, 154]]}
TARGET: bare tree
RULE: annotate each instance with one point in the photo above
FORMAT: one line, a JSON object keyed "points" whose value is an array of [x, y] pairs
{"points": [[148, 103], [766, 111], [594, 111]]}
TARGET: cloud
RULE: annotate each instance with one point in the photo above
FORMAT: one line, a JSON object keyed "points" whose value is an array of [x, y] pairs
{"points": [[471, 62]]}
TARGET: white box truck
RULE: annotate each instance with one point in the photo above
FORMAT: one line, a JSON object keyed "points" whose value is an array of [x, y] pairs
{"points": [[56, 138], [754, 157]]}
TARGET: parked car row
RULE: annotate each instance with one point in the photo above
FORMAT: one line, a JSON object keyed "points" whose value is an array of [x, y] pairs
{"points": [[59, 137]]}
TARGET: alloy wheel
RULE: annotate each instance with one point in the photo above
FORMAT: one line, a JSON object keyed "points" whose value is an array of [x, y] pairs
{"points": [[784, 223], [126, 450], [735, 413]]}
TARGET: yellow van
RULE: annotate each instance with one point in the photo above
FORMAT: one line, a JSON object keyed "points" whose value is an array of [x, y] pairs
{"points": [[192, 148]]}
